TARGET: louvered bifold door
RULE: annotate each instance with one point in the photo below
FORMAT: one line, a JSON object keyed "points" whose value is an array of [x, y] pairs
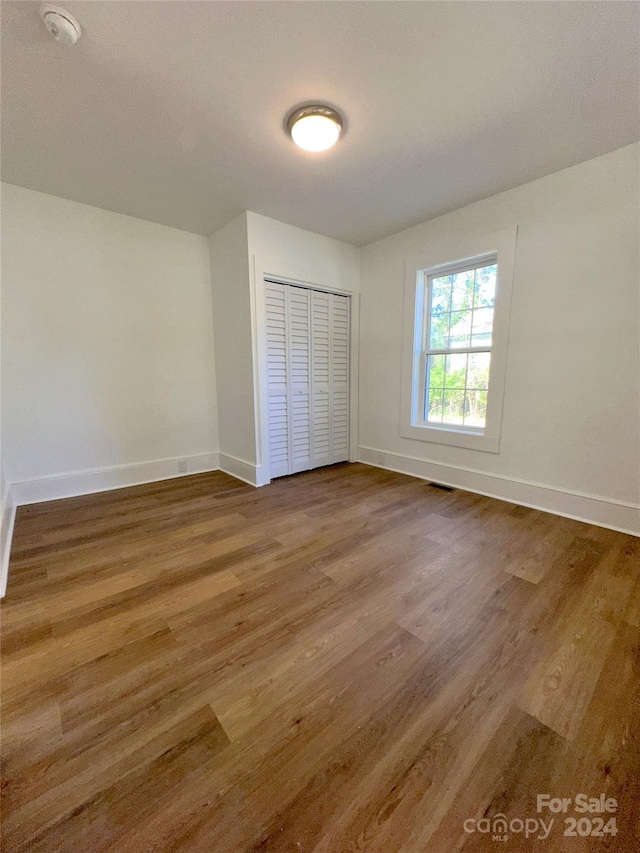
{"points": [[320, 378], [307, 378], [277, 378], [339, 380], [299, 342]]}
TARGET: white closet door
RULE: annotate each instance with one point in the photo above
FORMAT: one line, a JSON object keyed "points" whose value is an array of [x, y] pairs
{"points": [[321, 378], [299, 343], [307, 334], [277, 378], [339, 392]]}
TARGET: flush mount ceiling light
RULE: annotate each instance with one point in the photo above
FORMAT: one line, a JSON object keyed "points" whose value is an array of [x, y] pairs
{"points": [[61, 24], [314, 127]]}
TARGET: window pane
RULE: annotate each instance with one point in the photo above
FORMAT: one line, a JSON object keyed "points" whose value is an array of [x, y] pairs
{"points": [[460, 314], [485, 286], [456, 371], [439, 331], [460, 332], [462, 291], [440, 295], [453, 407], [478, 370], [435, 371], [482, 327], [434, 405], [475, 408]]}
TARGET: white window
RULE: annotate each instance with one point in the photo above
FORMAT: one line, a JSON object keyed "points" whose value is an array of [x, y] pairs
{"points": [[457, 327], [459, 314]]}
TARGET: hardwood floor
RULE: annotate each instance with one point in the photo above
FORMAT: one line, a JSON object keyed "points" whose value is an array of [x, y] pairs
{"points": [[345, 660]]}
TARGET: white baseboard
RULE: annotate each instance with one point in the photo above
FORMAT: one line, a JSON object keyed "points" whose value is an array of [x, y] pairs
{"points": [[241, 469], [262, 475], [7, 520], [593, 509], [74, 483]]}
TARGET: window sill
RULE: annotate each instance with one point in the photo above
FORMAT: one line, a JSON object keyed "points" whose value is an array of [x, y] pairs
{"points": [[472, 440]]}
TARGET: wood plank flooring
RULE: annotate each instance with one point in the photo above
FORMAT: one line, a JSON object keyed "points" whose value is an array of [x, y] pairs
{"points": [[346, 660]]}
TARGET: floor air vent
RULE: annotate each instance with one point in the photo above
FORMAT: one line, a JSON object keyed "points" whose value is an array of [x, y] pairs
{"points": [[441, 486]]}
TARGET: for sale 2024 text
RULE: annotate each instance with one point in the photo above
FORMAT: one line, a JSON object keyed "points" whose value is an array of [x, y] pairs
{"points": [[591, 817]]}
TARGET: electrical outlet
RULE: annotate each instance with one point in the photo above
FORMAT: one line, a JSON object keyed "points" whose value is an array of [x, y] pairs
{"points": [[182, 466], [382, 459]]}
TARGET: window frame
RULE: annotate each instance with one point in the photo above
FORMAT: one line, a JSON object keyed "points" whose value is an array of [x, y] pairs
{"points": [[448, 258]]}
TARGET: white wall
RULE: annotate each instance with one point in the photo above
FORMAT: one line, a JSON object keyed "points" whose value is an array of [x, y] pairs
{"points": [[107, 348], [301, 255], [572, 405], [233, 341]]}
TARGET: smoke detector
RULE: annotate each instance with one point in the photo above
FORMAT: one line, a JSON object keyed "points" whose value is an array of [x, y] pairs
{"points": [[61, 24]]}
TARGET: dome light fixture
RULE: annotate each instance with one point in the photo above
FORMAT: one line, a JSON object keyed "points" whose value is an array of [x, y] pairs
{"points": [[314, 127], [61, 24]]}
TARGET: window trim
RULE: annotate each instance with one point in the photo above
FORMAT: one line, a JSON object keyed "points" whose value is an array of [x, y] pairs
{"points": [[453, 255]]}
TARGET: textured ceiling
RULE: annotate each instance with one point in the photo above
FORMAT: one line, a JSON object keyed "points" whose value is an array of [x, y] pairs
{"points": [[173, 111]]}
